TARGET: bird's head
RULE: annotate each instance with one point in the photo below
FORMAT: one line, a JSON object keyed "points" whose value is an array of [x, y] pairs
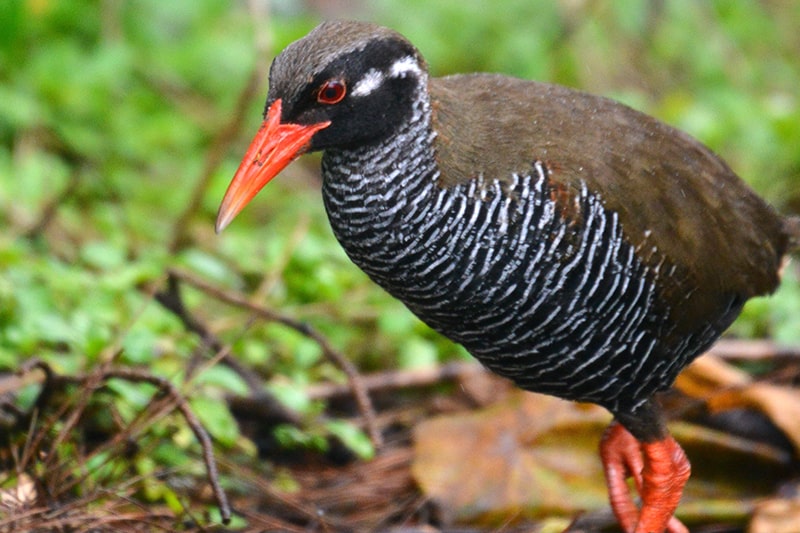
{"points": [[345, 84]]}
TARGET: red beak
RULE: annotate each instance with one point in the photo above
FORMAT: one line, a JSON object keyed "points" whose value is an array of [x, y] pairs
{"points": [[273, 148]]}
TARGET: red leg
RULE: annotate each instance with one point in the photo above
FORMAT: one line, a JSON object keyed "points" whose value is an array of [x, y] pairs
{"points": [[622, 458], [659, 469], [666, 470]]}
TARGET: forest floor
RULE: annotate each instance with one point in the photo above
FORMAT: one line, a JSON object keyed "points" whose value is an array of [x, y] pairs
{"points": [[460, 450]]}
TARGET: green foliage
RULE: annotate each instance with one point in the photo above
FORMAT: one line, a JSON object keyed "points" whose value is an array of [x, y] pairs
{"points": [[290, 437], [108, 112], [215, 416], [352, 437]]}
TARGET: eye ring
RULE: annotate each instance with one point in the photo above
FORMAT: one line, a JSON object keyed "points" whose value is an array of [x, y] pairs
{"points": [[331, 92]]}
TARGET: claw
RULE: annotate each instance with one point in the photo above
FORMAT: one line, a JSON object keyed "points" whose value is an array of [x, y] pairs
{"points": [[659, 469]]}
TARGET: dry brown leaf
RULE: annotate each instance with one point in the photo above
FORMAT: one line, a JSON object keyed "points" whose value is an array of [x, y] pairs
{"points": [[726, 387], [780, 404], [777, 515], [532, 456], [20, 495], [707, 375], [529, 454]]}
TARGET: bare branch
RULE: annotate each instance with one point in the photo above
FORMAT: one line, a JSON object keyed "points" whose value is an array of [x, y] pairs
{"points": [[170, 298], [354, 378], [754, 350], [54, 381], [400, 379], [226, 135], [199, 431]]}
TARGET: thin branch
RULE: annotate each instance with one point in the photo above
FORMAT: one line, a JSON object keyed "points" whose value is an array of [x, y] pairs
{"points": [[754, 350], [54, 381], [51, 208], [354, 378], [170, 298], [399, 379], [228, 134], [199, 431]]}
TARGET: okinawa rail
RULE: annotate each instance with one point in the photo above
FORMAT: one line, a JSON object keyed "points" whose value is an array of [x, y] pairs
{"points": [[570, 243]]}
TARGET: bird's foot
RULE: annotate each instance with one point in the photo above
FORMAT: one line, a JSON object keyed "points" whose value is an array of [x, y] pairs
{"points": [[659, 469]]}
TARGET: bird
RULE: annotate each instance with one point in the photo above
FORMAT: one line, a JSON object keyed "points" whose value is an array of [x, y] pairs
{"points": [[571, 244]]}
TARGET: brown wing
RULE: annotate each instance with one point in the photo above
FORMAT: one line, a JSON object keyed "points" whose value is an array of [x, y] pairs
{"points": [[669, 190]]}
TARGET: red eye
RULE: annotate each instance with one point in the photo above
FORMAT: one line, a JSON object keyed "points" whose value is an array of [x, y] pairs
{"points": [[331, 92]]}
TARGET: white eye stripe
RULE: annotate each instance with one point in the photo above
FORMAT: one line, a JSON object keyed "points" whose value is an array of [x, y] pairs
{"points": [[374, 78], [405, 66], [371, 81]]}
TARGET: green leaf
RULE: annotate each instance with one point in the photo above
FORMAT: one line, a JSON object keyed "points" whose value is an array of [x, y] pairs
{"points": [[352, 437], [225, 378], [207, 265], [136, 395], [139, 346], [292, 396], [292, 437], [102, 255], [416, 353], [216, 419]]}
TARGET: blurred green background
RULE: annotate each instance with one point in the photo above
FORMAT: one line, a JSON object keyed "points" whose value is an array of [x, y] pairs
{"points": [[109, 109], [121, 124]]}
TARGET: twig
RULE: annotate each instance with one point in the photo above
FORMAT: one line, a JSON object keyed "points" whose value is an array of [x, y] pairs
{"points": [[402, 379], [51, 208], [354, 378], [53, 381], [754, 350], [170, 298], [199, 431], [269, 405], [226, 135]]}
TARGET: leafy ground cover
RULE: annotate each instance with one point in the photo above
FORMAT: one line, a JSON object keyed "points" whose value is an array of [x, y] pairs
{"points": [[129, 330]]}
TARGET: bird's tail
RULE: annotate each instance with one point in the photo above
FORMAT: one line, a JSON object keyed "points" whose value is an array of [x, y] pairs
{"points": [[791, 226]]}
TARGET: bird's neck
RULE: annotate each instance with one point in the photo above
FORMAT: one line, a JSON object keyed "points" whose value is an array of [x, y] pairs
{"points": [[371, 189], [387, 163]]}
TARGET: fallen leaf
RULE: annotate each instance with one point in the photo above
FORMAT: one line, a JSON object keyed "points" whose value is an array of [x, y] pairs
{"points": [[780, 404], [535, 456], [707, 375], [20, 495], [778, 515], [726, 467], [527, 455], [725, 387]]}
